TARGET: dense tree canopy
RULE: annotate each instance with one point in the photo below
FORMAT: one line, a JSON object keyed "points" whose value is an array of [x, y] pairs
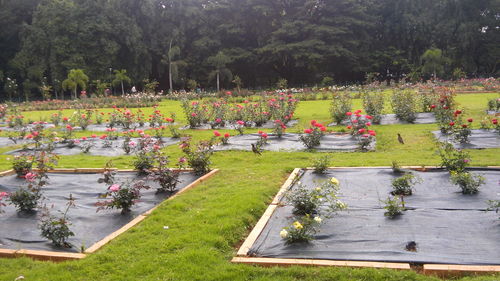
{"points": [[262, 41]]}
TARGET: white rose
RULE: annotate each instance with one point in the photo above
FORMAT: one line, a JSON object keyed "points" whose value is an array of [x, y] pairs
{"points": [[284, 234], [317, 219]]}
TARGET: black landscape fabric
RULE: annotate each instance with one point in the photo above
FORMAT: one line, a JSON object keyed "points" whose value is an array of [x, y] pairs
{"points": [[232, 125], [291, 142], [19, 230], [4, 142], [98, 147], [477, 140], [447, 226], [391, 119]]}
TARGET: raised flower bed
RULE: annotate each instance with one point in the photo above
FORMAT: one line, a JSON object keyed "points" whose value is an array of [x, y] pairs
{"points": [[291, 142], [19, 234], [478, 139], [440, 225]]}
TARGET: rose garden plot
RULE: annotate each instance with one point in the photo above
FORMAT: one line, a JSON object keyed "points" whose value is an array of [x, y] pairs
{"points": [[439, 226]]}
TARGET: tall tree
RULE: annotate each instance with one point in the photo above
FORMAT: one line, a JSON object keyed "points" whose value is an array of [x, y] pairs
{"points": [[219, 62], [120, 78], [433, 62], [76, 78]]}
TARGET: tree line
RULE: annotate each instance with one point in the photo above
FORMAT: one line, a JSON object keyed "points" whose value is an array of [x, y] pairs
{"points": [[186, 44]]}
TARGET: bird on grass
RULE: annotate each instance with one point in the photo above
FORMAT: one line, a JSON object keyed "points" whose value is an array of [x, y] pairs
{"points": [[256, 149], [400, 139]]}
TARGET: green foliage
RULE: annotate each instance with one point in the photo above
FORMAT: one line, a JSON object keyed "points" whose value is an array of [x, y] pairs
{"points": [[120, 78], [458, 74], [25, 199], [76, 78], [327, 81], [282, 83], [396, 167], [373, 103], [150, 85], [341, 104], [433, 62], [468, 182], [307, 200], [454, 160], [404, 105], [493, 205], [56, 229], [22, 164], [302, 230], [321, 164], [394, 206], [198, 158], [404, 184], [191, 84], [494, 104]]}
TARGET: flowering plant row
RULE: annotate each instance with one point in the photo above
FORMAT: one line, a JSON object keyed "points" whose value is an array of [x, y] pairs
{"points": [[129, 101], [219, 113]]}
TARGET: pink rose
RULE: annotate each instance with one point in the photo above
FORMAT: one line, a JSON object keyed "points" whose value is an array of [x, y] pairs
{"points": [[114, 188]]}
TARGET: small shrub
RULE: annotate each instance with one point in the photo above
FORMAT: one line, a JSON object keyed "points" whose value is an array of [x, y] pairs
{"points": [[307, 201], [123, 196], [461, 130], [494, 104], [404, 104], [312, 136], [166, 177], [25, 199], [2, 196], [22, 164], [396, 167], [468, 182], [240, 127], [404, 184], [341, 104], [493, 205], [321, 164], [143, 161], [453, 159], [302, 230], [373, 104], [56, 229], [394, 206], [444, 109], [199, 158], [279, 128]]}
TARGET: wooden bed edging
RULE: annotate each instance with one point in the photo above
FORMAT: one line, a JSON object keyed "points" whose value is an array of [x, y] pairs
{"points": [[312, 262], [442, 270], [63, 256], [450, 270]]}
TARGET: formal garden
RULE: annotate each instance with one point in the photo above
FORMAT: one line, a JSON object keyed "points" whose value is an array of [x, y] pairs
{"points": [[249, 140], [87, 186]]}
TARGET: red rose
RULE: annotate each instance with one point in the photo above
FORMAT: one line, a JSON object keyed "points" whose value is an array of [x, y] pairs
{"points": [[217, 134], [308, 131], [227, 135], [470, 120], [348, 113], [452, 124]]}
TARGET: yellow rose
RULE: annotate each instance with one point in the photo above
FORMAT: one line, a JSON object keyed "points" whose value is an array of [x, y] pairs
{"points": [[297, 225], [334, 181]]}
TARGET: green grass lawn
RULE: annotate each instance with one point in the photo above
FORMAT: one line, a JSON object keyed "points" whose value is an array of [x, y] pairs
{"points": [[208, 223]]}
